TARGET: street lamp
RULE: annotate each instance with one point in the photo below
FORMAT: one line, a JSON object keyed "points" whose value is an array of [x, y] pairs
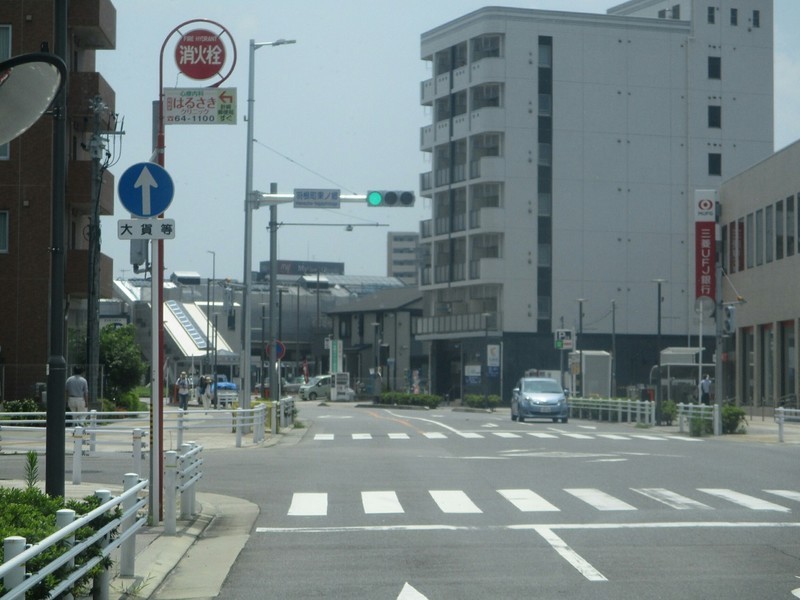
{"points": [[376, 352], [658, 281], [486, 316], [209, 302], [248, 223]]}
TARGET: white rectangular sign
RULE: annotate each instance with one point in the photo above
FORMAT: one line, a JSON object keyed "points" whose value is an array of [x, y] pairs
{"points": [[200, 106], [312, 198], [146, 229]]}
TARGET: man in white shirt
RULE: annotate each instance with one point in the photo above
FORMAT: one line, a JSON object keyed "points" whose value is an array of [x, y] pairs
{"points": [[77, 390]]}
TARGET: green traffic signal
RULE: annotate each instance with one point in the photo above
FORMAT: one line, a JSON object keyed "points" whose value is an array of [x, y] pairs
{"points": [[390, 198], [374, 198]]}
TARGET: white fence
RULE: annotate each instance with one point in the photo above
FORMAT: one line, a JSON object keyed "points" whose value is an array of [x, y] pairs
{"points": [[699, 418], [782, 415], [17, 553], [609, 409]]}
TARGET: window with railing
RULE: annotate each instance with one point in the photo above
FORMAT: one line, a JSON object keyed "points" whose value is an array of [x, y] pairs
{"points": [[486, 95], [487, 46]]}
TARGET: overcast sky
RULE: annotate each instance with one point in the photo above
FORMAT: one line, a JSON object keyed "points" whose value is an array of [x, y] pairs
{"points": [[338, 109]]}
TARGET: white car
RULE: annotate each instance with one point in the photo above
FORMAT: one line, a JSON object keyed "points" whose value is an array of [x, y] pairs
{"points": [[317, 387]]}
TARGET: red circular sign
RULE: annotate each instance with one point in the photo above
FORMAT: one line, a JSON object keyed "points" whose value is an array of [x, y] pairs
{"points": [[200, 54]]}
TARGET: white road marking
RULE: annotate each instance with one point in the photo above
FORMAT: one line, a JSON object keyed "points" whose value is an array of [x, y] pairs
{"points": [[785, 494], [578, 436], [308, 505], [671, 499], [323, 437], [434, 435], [399, 436], [683, 438], [568, 554], [649, 437], [528, 501], [362, 436], [381, 503], [409, 593], [744, 500], [613, 436], [454, 501], [587, 426], [599, 499], [537, 434], [506, 434], [471, 435], [490, 425]]}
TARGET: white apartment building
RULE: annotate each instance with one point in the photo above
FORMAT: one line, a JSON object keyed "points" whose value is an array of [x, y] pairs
{"points": [[401, 256], [564, 152]]}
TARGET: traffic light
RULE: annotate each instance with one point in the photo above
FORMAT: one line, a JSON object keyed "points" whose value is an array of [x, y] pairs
{"points": [[729, 321], [390, 198]]}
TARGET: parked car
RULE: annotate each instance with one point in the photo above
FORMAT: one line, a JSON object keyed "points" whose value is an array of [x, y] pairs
{"points": [[539, 398], [292, 387], [317, 387]]}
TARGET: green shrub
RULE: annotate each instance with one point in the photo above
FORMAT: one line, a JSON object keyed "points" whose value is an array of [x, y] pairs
{"points": [[21, 406], [733, 419], [669, 411], [699, 426], [404, 399], [477, 401]]}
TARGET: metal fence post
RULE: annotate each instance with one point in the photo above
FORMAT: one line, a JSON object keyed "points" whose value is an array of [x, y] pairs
{"points": [[170, 489], [13, 546], [680, 417], [92, 431], [102, 580], [781, 415], [180, 427], [127, 556], [77, 454], [64, 517], [137, 451], [716, 419], [273, 417], [237, 420], [184, 462]]}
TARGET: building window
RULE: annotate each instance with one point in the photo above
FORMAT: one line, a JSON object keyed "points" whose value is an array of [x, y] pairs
{"points": [[751, 244], [676, 11], [790, 230], [714, 67], [712, 13], [780, 239], [487, 46], [662, 14], [486, 95], [734, 16], [4, 231], [715, 117], [756, 18], [759, 237], [769, 239], [714, 163]]}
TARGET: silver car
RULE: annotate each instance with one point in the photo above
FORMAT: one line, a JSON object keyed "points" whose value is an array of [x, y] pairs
{"points": [[539, 398]]}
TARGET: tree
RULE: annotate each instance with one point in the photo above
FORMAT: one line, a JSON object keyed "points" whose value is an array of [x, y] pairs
{"points": [[121, 357]]}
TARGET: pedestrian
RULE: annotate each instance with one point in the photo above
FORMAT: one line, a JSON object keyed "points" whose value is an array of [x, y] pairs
{"points": [[77, 392], [705, 390], [182, 390], [203, 389]]}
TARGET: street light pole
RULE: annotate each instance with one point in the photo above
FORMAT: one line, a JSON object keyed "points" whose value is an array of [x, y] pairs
{"points": [[485, 359], [658, 349], [209, 302], [580, 343], [248, 224]]}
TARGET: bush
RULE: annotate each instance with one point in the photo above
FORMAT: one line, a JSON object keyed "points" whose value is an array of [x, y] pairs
{"points": [[733, 419], [404, 399], [21, 406], [477, 401], [699, 426], [669, 411]]}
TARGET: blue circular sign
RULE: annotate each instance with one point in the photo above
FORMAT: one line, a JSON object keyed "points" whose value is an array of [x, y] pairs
{"points": [[146, 189]]}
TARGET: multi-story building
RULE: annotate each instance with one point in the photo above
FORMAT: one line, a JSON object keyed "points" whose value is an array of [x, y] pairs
{"points": [[565, 151], [26, 191], [401, 256]]}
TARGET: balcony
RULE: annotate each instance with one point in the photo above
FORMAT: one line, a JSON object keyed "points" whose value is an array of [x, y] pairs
{"points": [[488, 168], [425, 228], [461, 78], [79, 188], [83, 87], [488, 219], [442, 132], [487, 269], [487, 119], [426, 138], [460, 126], [93, 23], [76, 279], [488, 70], [425, 181], [442, 84], [426, 89]]}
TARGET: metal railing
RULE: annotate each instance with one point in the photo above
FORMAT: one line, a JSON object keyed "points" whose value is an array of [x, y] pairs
{"points": [[17, 553], [181, 474], [785, 414], [611, 409], [696, 416]]}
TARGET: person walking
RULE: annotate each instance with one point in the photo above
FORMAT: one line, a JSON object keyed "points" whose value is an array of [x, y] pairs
{"points": [[77, 392], [203, 389], [705, 390], [182, 390]]}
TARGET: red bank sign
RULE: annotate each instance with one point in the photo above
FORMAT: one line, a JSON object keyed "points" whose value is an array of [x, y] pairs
{"points": [[705, 204]]}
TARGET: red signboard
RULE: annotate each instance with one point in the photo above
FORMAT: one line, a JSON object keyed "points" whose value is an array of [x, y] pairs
{"points": [[200, 54], [705, 243]]}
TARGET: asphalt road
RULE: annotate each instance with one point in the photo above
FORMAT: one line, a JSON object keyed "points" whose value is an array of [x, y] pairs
{"points": [[374, 503]]}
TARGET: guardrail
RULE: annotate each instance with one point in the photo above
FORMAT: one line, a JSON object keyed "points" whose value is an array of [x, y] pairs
{"points": [[609, 409], [785, 414], [696, 416], [17, 553], [181, 474]]}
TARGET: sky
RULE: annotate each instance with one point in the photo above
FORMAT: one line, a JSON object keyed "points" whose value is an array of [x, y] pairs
{"points": [[339, 109]]}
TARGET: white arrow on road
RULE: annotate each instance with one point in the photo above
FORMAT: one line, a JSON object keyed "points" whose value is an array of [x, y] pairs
{"points": [[145, 181], [409, 593]]}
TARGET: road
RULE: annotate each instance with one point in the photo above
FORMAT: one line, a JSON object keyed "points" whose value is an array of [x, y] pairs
{"points": [[375, 503]]}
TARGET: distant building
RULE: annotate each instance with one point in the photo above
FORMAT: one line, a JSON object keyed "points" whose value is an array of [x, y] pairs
{"points": [[401, 256], [565, 151]]}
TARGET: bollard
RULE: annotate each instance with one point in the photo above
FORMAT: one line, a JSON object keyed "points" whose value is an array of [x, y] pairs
{"points": [[127, 557], [273, 417], [170, 489], [237, 419], [137, 451], [77, 454], [102, 580], [180, 427], [64, 517], [92, 431], [191, 492], [716, 419], [184, 462], [781, 415]]}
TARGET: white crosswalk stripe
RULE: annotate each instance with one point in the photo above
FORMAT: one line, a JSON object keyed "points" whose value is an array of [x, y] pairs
{"points": [[362, 436], [578, 436], [471, 435], [541, 435], [323, 437], [434, 435], [506, 434], [613, 436], [399, 436], [509, 435], [387, 502]]}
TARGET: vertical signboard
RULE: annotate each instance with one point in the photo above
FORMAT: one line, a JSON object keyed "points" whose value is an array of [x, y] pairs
{"points": [[705, 205]]}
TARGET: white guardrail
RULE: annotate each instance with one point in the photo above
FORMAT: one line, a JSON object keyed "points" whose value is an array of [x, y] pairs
{"points": [[785, 414], [609, 409], [17, 552]]}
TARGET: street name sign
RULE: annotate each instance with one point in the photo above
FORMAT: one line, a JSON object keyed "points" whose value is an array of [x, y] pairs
{"points": [[199, 106], [146, 229], [146, 189], [315, 198]]}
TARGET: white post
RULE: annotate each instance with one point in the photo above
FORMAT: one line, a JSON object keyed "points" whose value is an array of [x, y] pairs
{"points": [[14, 546], [716, 419], [137, 451], [181, 425], [127, 557], [92, 431], [64, 517], [77, 454], [103, 578], [170, 488], [237, 420], [184, 462], [781, 415]]}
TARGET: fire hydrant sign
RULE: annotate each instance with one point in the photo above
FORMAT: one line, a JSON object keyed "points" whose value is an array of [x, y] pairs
{"points": [[200, 54], [200, 106]]}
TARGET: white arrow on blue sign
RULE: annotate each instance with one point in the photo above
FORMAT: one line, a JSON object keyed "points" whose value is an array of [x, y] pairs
{"points": [[146, 189]]}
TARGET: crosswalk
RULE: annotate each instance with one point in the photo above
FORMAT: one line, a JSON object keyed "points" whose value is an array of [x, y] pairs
{"points": [[455, 502], [508, 435]]}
